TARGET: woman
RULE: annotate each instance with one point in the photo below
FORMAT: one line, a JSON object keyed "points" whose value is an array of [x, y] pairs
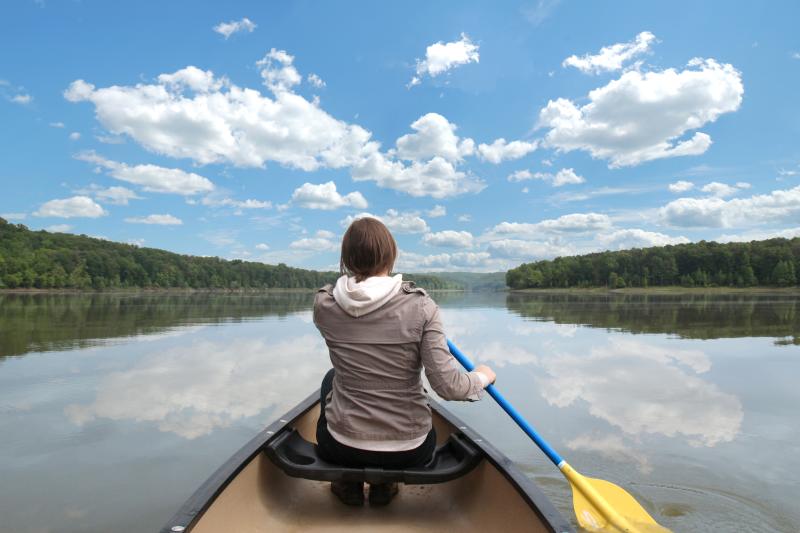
{"points": [[381, 332]]}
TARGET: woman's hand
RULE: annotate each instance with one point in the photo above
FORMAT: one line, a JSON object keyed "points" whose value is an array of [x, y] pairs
{"points": [[488, 372]]}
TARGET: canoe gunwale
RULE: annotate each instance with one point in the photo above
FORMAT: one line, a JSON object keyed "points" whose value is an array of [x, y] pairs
{"points": [[198, 503]]}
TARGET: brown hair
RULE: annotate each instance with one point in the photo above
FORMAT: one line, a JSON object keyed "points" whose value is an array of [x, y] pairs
{"points": [[367, 249]]}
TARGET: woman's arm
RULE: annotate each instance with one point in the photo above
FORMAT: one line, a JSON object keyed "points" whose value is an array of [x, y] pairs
{"points": [[442, 370]]}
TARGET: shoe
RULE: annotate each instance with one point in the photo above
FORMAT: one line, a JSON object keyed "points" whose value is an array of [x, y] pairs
{"points": [[382, 493], [349, 493]]}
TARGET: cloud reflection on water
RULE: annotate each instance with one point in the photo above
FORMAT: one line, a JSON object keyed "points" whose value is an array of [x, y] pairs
{"points": [[643, 388], [190, 390]]}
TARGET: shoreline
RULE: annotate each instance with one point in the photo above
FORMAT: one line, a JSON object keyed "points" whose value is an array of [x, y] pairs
{"points": [[664, 290], [175, 290]]}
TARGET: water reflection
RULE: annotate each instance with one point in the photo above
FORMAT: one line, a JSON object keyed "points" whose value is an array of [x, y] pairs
{"points": [[47, 322], [642, 388], [193, 389], [693, 315]]}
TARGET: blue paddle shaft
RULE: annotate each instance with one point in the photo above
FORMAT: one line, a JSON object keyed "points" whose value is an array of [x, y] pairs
{"points": [[508, 408]]}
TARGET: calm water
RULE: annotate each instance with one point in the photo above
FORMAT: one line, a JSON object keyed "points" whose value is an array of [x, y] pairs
{"points": [[114, 408]]}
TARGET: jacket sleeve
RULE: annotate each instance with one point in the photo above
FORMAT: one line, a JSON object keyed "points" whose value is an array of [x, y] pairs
{"points": [[442, 370]]}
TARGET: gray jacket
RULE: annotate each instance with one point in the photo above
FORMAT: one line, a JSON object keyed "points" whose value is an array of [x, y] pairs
{"points": [[378, 357]]}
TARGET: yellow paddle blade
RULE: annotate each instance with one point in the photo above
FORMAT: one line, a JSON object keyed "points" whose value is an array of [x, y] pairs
{"points": [[604, 507]]}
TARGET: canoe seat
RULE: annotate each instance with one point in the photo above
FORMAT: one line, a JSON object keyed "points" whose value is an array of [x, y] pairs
{"points": [[298, 458]]}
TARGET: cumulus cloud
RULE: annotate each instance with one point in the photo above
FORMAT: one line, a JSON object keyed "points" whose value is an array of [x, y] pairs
{"points": [[435, 136], [637, 238], [315, 80], [777, 206], [760, 235], [321, 242], [250, 203], [77, 206], [325, 196], [437, 177], [22, 99], [643, 116], [115, 195], [722, 190], [14, 216], [408, 222], [74, 136], [501, 150], [449, 239], [278, 71], [227, 29], [160, 220], [565, 176], [58, 228], [194, 114], [437, 211], [152, 178], [410, 261], [261, 246], [680, 186], [441, 57], [529, 250], [210, 120], [572, 223], [611, 57]]}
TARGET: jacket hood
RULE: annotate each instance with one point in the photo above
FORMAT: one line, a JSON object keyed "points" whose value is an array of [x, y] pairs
{"points": [[359, 298]]}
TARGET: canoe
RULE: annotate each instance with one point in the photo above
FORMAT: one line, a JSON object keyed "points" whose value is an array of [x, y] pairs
{"points": [[274, 483]]}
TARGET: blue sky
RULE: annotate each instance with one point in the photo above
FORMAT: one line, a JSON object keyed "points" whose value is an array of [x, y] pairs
{"points": [[483, 134]]}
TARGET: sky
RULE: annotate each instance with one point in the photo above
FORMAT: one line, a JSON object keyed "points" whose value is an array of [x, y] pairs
{"points": [[484, 134]]}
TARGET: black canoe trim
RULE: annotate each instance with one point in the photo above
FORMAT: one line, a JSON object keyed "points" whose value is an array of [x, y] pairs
{"points": [[190, 512]]}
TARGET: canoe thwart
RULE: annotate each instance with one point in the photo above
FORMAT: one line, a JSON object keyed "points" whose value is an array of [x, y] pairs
{"points": [[298, 458]]}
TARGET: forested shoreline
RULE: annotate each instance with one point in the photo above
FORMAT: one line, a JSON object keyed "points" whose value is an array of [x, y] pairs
{"points": [[768, 263], [44, 260]]}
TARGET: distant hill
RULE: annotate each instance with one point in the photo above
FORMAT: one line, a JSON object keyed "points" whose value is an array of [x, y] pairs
{"points": [[773, 262], [475, 281], [44, 260]]}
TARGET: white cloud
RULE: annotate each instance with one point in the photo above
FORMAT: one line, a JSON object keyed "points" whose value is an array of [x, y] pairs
{"points": [[721, 190], [642, 116], [14, 216], [464, 218], [161, 220], [437, 211], [611, 57], [211, 120], [437, 178], [315, 80], [278, 71], [529, 250], [152, 178], [410, 261], [637, 238], [397, 222], [250, 203], [565, 176], [796, 55], [324, 196], [235, 26], [681, 186], [449, 239], [441, 57], [115, 195], [435, 136], [22, 99], [321, 243], [777, 206], [74, 136], [572, 223], [325, 234], [262, 246], [58, 228], [56, 125], [77, 206], [760, 235], [501, 150]]}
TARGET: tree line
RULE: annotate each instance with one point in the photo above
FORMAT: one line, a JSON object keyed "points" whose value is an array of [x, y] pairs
{"points": [[772, 262], [44, 260]]}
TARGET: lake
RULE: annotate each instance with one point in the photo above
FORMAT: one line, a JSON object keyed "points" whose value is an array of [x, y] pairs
{"points": [[115, 407]]}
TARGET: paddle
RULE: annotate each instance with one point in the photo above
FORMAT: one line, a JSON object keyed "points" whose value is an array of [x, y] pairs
{"points": [[599, 505]]}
